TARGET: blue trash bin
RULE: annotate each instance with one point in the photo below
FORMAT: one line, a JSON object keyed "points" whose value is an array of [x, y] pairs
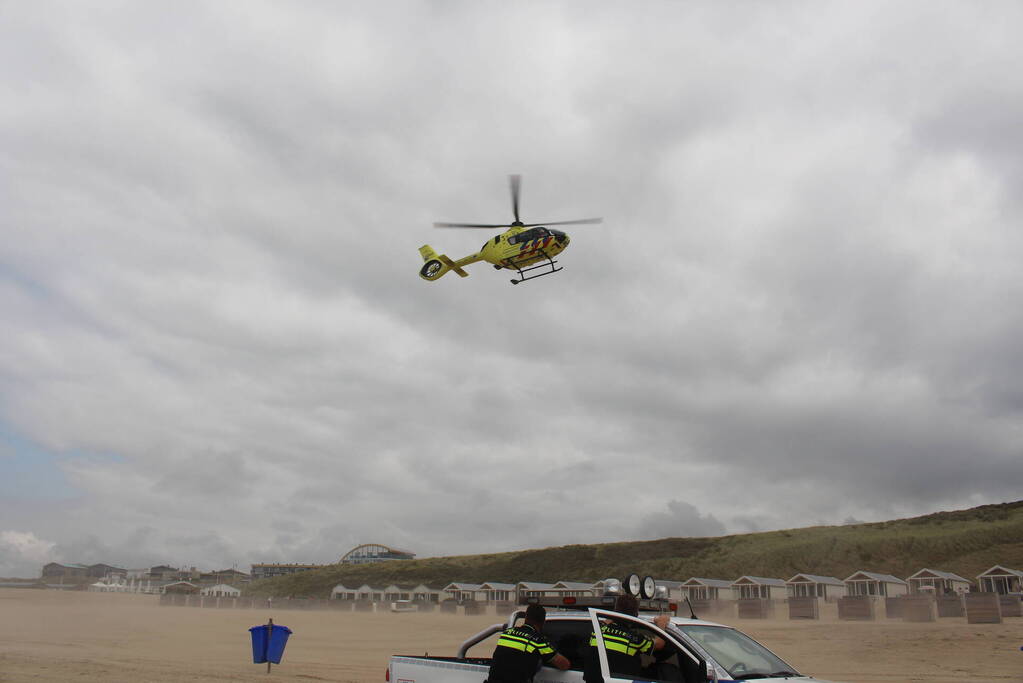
{"points": [[268, 649], [259, 642], [278, 639]]}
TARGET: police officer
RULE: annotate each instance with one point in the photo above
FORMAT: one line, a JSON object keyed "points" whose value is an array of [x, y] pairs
{"points": [[622, 644], [521, 649]]}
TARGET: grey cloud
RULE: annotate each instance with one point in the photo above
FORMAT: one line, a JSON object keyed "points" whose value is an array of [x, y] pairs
{"points": [[681, 519], [805, 282]]}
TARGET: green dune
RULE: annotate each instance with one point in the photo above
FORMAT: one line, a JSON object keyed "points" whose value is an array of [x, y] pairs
{"points": [[966, 542]]}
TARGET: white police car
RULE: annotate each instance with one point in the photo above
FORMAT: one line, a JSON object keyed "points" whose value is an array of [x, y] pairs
{"points": [[696, 651]]}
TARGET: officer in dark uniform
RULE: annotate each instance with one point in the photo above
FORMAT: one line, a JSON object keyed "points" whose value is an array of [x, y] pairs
{"points": [[522, 649], [622, 644]]}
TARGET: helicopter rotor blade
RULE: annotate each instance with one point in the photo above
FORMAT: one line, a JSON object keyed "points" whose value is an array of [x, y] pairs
{"points": [[471, 225], [516, 184], [579, 221]]}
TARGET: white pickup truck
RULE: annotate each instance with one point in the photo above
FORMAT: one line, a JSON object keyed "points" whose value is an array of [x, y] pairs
{"points": [[697, 651]]}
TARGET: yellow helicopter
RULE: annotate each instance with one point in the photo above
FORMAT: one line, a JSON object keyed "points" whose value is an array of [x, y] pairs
{"points": [[527, 248]]}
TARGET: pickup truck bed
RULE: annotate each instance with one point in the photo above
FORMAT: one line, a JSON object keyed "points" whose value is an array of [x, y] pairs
{"points": [[410, 668]]}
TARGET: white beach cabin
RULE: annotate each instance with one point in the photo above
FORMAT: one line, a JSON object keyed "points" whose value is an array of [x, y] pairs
{"points": [[828, 588], [876, 585], [1001, 580], [749, 587], [708, 589], [937, 582]]}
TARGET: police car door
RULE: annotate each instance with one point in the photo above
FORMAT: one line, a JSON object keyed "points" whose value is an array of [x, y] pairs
{"points": [[695, 661]]}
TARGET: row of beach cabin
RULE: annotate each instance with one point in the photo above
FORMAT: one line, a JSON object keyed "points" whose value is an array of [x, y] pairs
{"points": [[998, 580]]}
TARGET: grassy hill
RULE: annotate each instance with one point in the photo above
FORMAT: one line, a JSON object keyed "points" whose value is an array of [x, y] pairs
{"points": [[965, 541]]}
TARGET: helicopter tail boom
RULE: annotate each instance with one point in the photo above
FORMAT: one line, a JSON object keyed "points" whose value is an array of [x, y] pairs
{"points": [[436, 265]]}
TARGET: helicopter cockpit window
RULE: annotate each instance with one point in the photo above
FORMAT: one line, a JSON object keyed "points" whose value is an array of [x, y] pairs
{"points": [[528, 236]]}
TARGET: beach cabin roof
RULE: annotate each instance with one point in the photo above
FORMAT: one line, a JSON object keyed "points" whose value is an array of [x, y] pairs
{"points": [[759, 581], [462, 587], [710, 583], [668, 584], [813, 578], [937, 574], [872, 576], [999, 570], [428, 588], [398, 587], [229, 571], [494, 586], [573, 585], [533, 586]]}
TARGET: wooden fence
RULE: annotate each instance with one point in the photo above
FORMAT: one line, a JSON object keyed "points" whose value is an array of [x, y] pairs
{"points": [[918, 608], [755, 608], [804, 608], [856, 608], [982, 608], [949, 606], [1012, 606]]}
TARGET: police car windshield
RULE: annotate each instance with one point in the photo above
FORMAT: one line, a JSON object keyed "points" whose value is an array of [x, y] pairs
{"points": [[740, 655]]}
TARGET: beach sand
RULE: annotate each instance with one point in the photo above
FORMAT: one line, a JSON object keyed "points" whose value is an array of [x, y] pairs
{"points": [[77, 636]]}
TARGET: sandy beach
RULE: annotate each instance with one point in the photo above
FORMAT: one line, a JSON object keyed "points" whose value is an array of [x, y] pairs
{"points": [[75, 636]]}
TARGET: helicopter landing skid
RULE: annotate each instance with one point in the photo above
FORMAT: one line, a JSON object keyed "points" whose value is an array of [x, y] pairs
{"points": [[547, 266]]}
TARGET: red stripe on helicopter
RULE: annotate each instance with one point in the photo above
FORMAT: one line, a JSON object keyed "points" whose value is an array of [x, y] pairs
{"points": [[535, 245]]}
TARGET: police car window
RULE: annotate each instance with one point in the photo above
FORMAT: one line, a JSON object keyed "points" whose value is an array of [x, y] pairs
{"points": [[570, 637], [738, 653], [666, 665]]}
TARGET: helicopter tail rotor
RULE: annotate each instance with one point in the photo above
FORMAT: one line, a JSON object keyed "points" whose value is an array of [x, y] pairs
{"points": [[436, 265]]}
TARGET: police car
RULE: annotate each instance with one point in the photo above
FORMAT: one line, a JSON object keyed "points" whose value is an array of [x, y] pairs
{"points": [[696, 651]]}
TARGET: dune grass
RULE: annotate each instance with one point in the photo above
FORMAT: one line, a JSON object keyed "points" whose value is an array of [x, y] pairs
{"points": [[966, 542]]}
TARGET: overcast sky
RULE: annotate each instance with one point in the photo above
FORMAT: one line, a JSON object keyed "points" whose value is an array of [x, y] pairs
{"points": [[803, 305]]}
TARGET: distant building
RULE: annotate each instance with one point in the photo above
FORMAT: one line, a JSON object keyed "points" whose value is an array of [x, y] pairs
{"points": [[533, 589], [268, 571], [878, 585], [748, 587], [220, 590], [708, 589], [1001, 580], [185, 587], [228, 576], [464, 592], [814, 586], [426, 593], [342, 592], [576, 589], [163, 572], [374, 552], [938, 582], [498, 592], [56, 570]]}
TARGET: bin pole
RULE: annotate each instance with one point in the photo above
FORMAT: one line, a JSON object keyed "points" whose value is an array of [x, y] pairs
{"points": [[269, 633]]}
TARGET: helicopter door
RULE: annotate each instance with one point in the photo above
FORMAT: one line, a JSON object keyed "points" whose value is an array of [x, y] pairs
{"points": [[674, 664]]}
